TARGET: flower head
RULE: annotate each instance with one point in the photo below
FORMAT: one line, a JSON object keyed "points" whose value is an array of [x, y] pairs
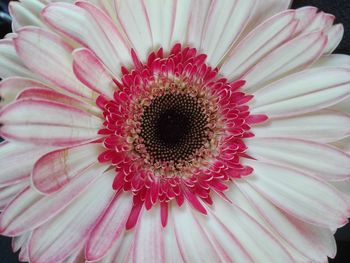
{"points": [[173, 131]]}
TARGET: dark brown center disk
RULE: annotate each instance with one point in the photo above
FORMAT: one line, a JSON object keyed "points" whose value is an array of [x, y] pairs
{"points": [[173, 127]]}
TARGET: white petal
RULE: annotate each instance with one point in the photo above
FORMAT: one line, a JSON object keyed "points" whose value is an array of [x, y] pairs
{"points": [[320, 160], [295, 55], [53, 59], [333, 60], [7, 193], [299, 194], [322, 126], [55, 240], [303, 92], [225, 21], [260, 42]]}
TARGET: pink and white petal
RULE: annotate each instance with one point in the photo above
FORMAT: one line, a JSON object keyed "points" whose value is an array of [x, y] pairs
{"points": [[197, 22], [61, 125], [306, 16], [334, 35], [321, 21], [333, 60], [76, 257], [31, 209], [55, 96], [344, 188], [10, 87], [193, 243], [160, 23], [79, 21], [322, 126], [184, 12], [121, 249], [317, 159], [257, 44], [264, 10], [299, 194], [343, 144], [23, 254], [171, 248], [26, 13], [247, 231], [53, 59], [54, 241], [56, 169], [11, 155], [10, 64], [135, 21], [313, 242], [7, 193], [225, 22], [295, 55], [92, 73], [148, 245], [303, 92], [19, 241], [109, 228]]}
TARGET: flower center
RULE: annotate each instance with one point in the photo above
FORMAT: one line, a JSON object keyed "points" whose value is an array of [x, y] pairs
{"points": [[175, 131], [173, 127]]}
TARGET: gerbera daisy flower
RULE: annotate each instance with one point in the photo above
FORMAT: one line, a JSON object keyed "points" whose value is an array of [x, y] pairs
{"points": [[173, 131]]}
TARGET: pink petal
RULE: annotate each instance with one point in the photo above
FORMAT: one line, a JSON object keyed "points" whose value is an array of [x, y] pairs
{"points": [[299, 195], [314, 242], [335, 35], [225, 22], [54, 241], [52, 61], [295, 55], [322, 126], [92, 73], [109, 228], [10, 87], [60, 125], [31, 209], [56, 169], [303, 92], [257, 44], [12, 154], [78, 23]]}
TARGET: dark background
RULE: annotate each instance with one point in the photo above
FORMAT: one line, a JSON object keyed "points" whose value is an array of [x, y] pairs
{"points": [[340, 8]]}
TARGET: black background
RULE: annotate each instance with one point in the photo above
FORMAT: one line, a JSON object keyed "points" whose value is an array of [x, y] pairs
{"points": [[340, 8]]}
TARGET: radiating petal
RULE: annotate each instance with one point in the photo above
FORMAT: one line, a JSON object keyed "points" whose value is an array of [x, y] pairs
{"points": [[56, 169], [54, 241], [295, 55], [148, 244], [7, 193], [191, 237], [53, 59], [303, 92], [31, 209], [333, 60], [11, 155], [171, 247], [10, 87], [89, 26], [60, 125], [26, 13], [92, 73], [314, 242], [258, 43], [335, 35], [299, 194], [249, 233], [109, 228], [322, 126], [225, 21], [10, 64]]}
